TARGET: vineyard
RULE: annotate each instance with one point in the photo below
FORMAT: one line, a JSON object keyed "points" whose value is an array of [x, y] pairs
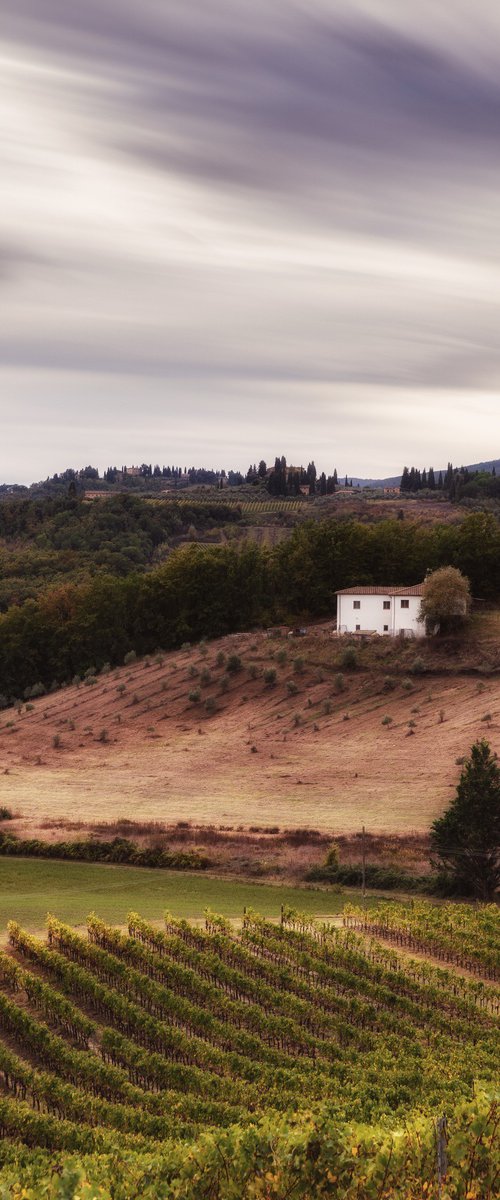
{"points": [[292, 1060], [253, 507]]}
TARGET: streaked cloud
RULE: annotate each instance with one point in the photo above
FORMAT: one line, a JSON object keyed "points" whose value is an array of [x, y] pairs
{"points": [[231, 230]]}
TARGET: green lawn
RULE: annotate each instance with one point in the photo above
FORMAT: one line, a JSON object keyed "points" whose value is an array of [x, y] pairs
{"points": [[29, 888]]}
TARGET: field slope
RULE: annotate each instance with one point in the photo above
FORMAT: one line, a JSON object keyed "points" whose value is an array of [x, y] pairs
{"points": [[290, 736]]}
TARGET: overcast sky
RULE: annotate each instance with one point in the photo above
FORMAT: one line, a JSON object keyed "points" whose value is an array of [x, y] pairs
{"points": [[232, 230]]}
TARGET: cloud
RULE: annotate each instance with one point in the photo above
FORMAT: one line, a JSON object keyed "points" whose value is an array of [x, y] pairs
{"points": [[224, 195]]}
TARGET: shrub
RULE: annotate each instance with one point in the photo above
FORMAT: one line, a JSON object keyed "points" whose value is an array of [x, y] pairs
{"points": [[487, 718], [253, 671], [210, 704], [106, 669], [203, 648], [130, 657], [389, 683], [412, 724], [39, 690], [4, 703], [292, 688], [121, 689], [135, 699], [205, 676], [76, 681], [270, 677], [298, 666], [71, 725], [417, 666], [90, 680], [186, 646], [297, 719], [233, 664], [224, 684], [6, 814], [349, 658], [327, 707], [195, 696], [103, 736], [339, 683], [221, 658], [441, 716], [387, 720], [480, 686], [159, 659], [56, 741], [346, 717], [30, 707], [407, 685], [281, 656], [193, 671]]}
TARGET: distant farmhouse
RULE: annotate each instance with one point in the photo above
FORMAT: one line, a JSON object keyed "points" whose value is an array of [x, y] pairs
{"points": [[385, 610]]}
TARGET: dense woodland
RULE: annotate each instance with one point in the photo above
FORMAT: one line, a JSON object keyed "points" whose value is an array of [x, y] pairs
{"points": [[208, 591]]}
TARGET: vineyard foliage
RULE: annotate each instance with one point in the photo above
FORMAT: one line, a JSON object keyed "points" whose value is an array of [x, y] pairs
{"points": [[292, 1060]]}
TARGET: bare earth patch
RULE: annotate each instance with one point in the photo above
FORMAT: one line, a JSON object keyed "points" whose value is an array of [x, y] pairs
{"points": [[133, 744]]}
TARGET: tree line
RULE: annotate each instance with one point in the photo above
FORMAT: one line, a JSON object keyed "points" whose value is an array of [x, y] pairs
{"points": [[208, 591]]}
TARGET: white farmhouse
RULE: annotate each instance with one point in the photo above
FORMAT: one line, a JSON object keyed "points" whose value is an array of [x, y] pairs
{"points": [[384, 610]]}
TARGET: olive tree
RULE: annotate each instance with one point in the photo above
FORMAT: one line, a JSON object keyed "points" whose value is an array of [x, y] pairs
{"points": [[445, 600]]}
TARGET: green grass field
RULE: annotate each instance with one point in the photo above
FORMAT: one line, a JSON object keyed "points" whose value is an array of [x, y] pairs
{"points": [[29, 888]]}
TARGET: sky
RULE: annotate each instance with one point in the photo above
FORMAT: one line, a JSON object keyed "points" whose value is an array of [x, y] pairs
{"points": [[231, 230]]}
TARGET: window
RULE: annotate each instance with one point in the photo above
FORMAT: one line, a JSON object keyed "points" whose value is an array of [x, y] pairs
{"points": [[386, 629], [386, 604], [358, 628], [356, 604], [405, 604]]}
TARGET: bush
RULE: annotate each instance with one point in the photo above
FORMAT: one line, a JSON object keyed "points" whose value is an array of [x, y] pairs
{"points": [[292, 688], [233, 664], [210, 704], [221, 658], [349, 658], [387, 720], [121, 689], [56, 741], [487, 718], [205, 676], [193, 671], [270, 677], [90, 680], [224, 684], [441, 716], [39, 690], [135, 699], [297, 719], [281, 656], [106, 669], [103, 736], [76, 681], [6, 814], [253, 671], [418, 666], [389, 683], [130, 657], [298, 666], [407, 685], [339, 683], [327, 708], [195, 696], [202, 647]]}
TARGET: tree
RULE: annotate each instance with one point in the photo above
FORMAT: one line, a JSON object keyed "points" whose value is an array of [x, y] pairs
{"points": [[445, 600], [466, 839]]}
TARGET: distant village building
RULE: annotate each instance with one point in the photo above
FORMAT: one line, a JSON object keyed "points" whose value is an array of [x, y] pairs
{"points": [[392, 491], [384, 610]]}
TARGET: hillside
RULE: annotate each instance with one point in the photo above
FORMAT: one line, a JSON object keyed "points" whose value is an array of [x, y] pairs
{"points": [[182, 736]]}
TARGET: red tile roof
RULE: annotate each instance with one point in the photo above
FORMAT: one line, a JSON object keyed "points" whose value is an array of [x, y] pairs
{"points": [[417, 589]]}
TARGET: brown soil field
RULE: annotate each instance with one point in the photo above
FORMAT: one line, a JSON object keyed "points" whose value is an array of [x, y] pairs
{"points": [[133, 745]]}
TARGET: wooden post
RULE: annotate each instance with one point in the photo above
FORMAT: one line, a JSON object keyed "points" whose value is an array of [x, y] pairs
{"points": [[363, 865]]}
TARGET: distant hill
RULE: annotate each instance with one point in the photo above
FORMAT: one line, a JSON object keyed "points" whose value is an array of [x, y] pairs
{"points": [[394, 480]]}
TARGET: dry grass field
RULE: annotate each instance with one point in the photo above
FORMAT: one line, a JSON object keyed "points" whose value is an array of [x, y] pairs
{"points": [[293, 752]]}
